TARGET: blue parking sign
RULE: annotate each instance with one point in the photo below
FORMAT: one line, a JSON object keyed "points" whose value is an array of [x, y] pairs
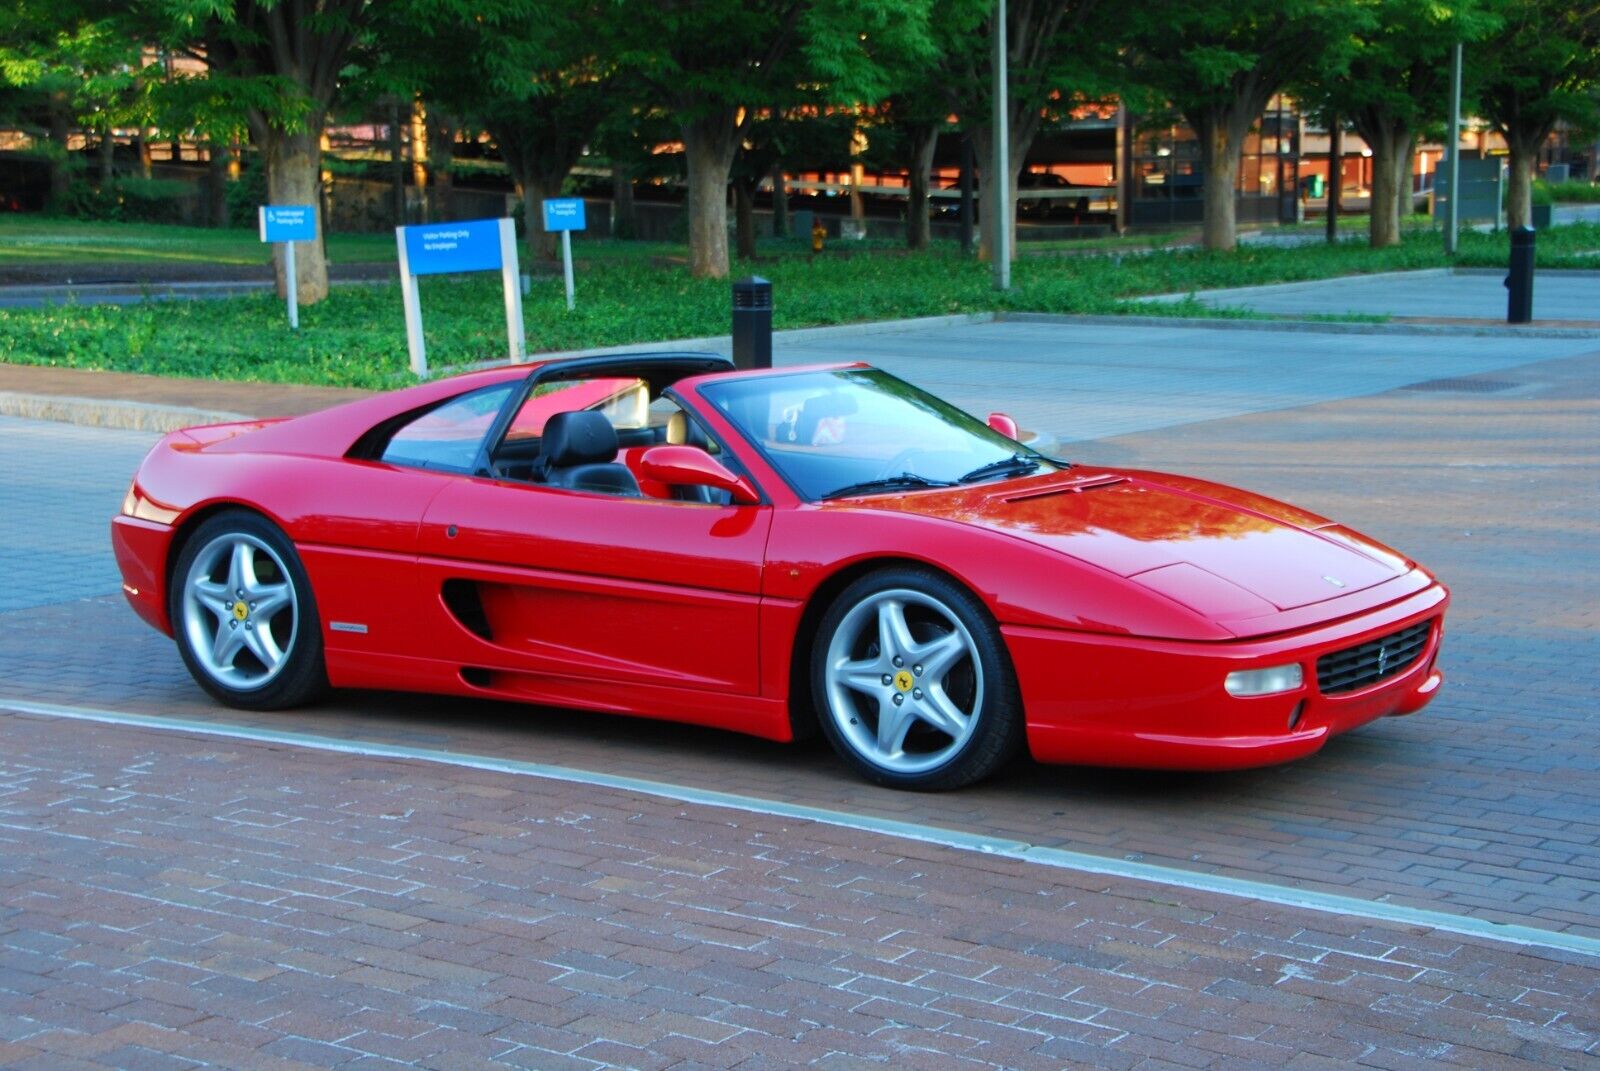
{"points": [[288, 223], [464, 245], [564, 214]]}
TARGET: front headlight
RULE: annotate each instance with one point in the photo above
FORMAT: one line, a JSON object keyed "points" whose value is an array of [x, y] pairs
{"points": [[1264, 681]]}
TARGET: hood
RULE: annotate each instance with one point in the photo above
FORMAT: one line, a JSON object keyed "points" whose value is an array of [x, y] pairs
{"points": [[1221, 551]]}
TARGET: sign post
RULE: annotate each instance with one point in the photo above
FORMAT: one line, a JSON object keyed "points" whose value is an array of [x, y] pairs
{"points": [[462, 246], [289, 224], [565, 214]]}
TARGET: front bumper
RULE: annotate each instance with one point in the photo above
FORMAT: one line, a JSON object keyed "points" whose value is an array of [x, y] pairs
{"points": [[1120, 701], [141, 549]]}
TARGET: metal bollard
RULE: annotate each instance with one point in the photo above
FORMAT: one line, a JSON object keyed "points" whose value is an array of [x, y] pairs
{"points": [[1519, 282], [752, 323]]}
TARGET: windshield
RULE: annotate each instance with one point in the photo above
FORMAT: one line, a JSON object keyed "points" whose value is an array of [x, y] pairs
{"points": [[862, 431]]}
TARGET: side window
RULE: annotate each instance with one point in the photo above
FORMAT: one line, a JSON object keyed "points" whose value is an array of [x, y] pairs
{"points": [[624, 401], [448, 436]]}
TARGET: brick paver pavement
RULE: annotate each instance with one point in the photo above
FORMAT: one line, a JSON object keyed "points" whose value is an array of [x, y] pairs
{"points": [[172, 901], [1487, 803]]}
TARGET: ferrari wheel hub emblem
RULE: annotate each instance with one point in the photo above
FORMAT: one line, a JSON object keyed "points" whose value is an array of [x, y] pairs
{"points": [[903, 680], [240, 611]]}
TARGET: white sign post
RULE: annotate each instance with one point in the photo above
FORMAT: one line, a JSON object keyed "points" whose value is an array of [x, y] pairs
{"points": [[468, 245], [288, 224], [565, 214]]}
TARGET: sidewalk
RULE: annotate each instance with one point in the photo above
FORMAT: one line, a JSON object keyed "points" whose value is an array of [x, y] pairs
{"points": [[1070, 377], [150, 403], [178, 900]]}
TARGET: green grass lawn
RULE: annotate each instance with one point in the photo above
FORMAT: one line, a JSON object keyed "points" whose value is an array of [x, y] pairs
{"points": [[357, 336], [36, 239]]}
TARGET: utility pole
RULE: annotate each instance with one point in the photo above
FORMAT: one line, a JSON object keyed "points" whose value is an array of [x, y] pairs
{"points": [[1453, 143], [999, 175], [1335, 175]]}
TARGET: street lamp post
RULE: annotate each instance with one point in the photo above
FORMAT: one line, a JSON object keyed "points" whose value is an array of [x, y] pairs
{"points": [[1453, 143], [1000, 168]]}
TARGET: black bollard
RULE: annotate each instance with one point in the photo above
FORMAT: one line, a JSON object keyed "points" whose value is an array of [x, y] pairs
{"points": [[1519, 282], [752, 323]]}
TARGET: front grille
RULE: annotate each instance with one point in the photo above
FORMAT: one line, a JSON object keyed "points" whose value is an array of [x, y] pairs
{"points": [[1369, 663]]}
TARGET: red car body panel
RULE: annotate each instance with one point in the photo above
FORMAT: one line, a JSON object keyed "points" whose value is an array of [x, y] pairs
{"points": [[1124, 598]]}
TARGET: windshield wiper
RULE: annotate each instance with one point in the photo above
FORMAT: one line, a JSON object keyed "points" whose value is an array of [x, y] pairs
{"points": [[900, 482], [1015, 465]]}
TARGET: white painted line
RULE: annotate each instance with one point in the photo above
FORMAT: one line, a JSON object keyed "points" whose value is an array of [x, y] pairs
{"points": [[1060, 858]]}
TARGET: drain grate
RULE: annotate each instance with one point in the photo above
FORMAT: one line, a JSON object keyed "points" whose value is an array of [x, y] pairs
{"points": [[1465, 386]]}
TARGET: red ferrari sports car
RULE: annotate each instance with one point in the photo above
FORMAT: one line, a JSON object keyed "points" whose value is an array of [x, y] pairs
{"points": [[769, 551]]}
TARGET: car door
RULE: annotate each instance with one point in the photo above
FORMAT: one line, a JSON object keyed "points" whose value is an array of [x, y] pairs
{"points": [[553, 582]]}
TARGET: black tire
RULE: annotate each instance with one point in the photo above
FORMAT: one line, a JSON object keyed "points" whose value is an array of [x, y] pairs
{"points": [[247, 680], [937, 613]]}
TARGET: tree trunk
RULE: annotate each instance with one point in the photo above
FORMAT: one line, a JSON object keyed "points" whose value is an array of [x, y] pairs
{"points": [[107, 151], [1219, 163], [969, 203], [1405, 203], [709, 145], [744, 218], [294, 177], [1519, 182], [142, 145], [1386, 139], [624, 217], [989, 213], [441, 152], [780, 203], [60, 157], [918, 228], [541, 245], [1383, 228], [217, 185], [397, 166]]}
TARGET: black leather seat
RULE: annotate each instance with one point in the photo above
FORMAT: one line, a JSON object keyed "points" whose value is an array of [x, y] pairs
{"points": [[579, 451]]}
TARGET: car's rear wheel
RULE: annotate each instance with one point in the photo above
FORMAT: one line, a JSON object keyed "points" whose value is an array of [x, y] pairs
{"points": [[912, 682], [244, 616]]}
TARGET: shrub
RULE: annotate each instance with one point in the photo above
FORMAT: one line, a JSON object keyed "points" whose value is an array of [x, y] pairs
{"points": [[1565, 192], [248, 194], [128, 200]]}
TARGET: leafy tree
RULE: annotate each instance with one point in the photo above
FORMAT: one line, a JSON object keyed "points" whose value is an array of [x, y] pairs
{"points": [[1542, 66], [534, 75], [1057, 51], [909, 123], [72, 63], [276, 67], [1396, 82], [1219, 64], [715, 63]]}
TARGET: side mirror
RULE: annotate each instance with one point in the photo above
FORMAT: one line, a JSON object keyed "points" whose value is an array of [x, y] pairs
{"points": [[690, 466], [1004, 425]]}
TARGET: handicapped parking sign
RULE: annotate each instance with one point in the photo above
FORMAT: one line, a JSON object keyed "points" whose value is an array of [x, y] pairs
{"points": [[564, 214]]}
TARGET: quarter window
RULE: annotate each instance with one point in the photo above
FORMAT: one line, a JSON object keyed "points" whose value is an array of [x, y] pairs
{"points": [[448, 437]]}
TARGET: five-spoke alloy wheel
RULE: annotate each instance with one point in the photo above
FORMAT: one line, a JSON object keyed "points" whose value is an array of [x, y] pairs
{"points": [[244, 616], [912, 682]]}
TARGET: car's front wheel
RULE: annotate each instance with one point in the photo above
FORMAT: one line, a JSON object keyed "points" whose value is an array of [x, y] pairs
{"points": [[912, 683], [244, 616]]}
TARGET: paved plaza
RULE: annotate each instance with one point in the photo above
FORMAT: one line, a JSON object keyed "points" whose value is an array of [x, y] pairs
{"points": [[385, 880], [1439, 293]]}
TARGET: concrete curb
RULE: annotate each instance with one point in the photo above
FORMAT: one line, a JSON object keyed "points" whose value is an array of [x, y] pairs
{"points": [[109, 413], [1324, 327], [723, 344]]}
